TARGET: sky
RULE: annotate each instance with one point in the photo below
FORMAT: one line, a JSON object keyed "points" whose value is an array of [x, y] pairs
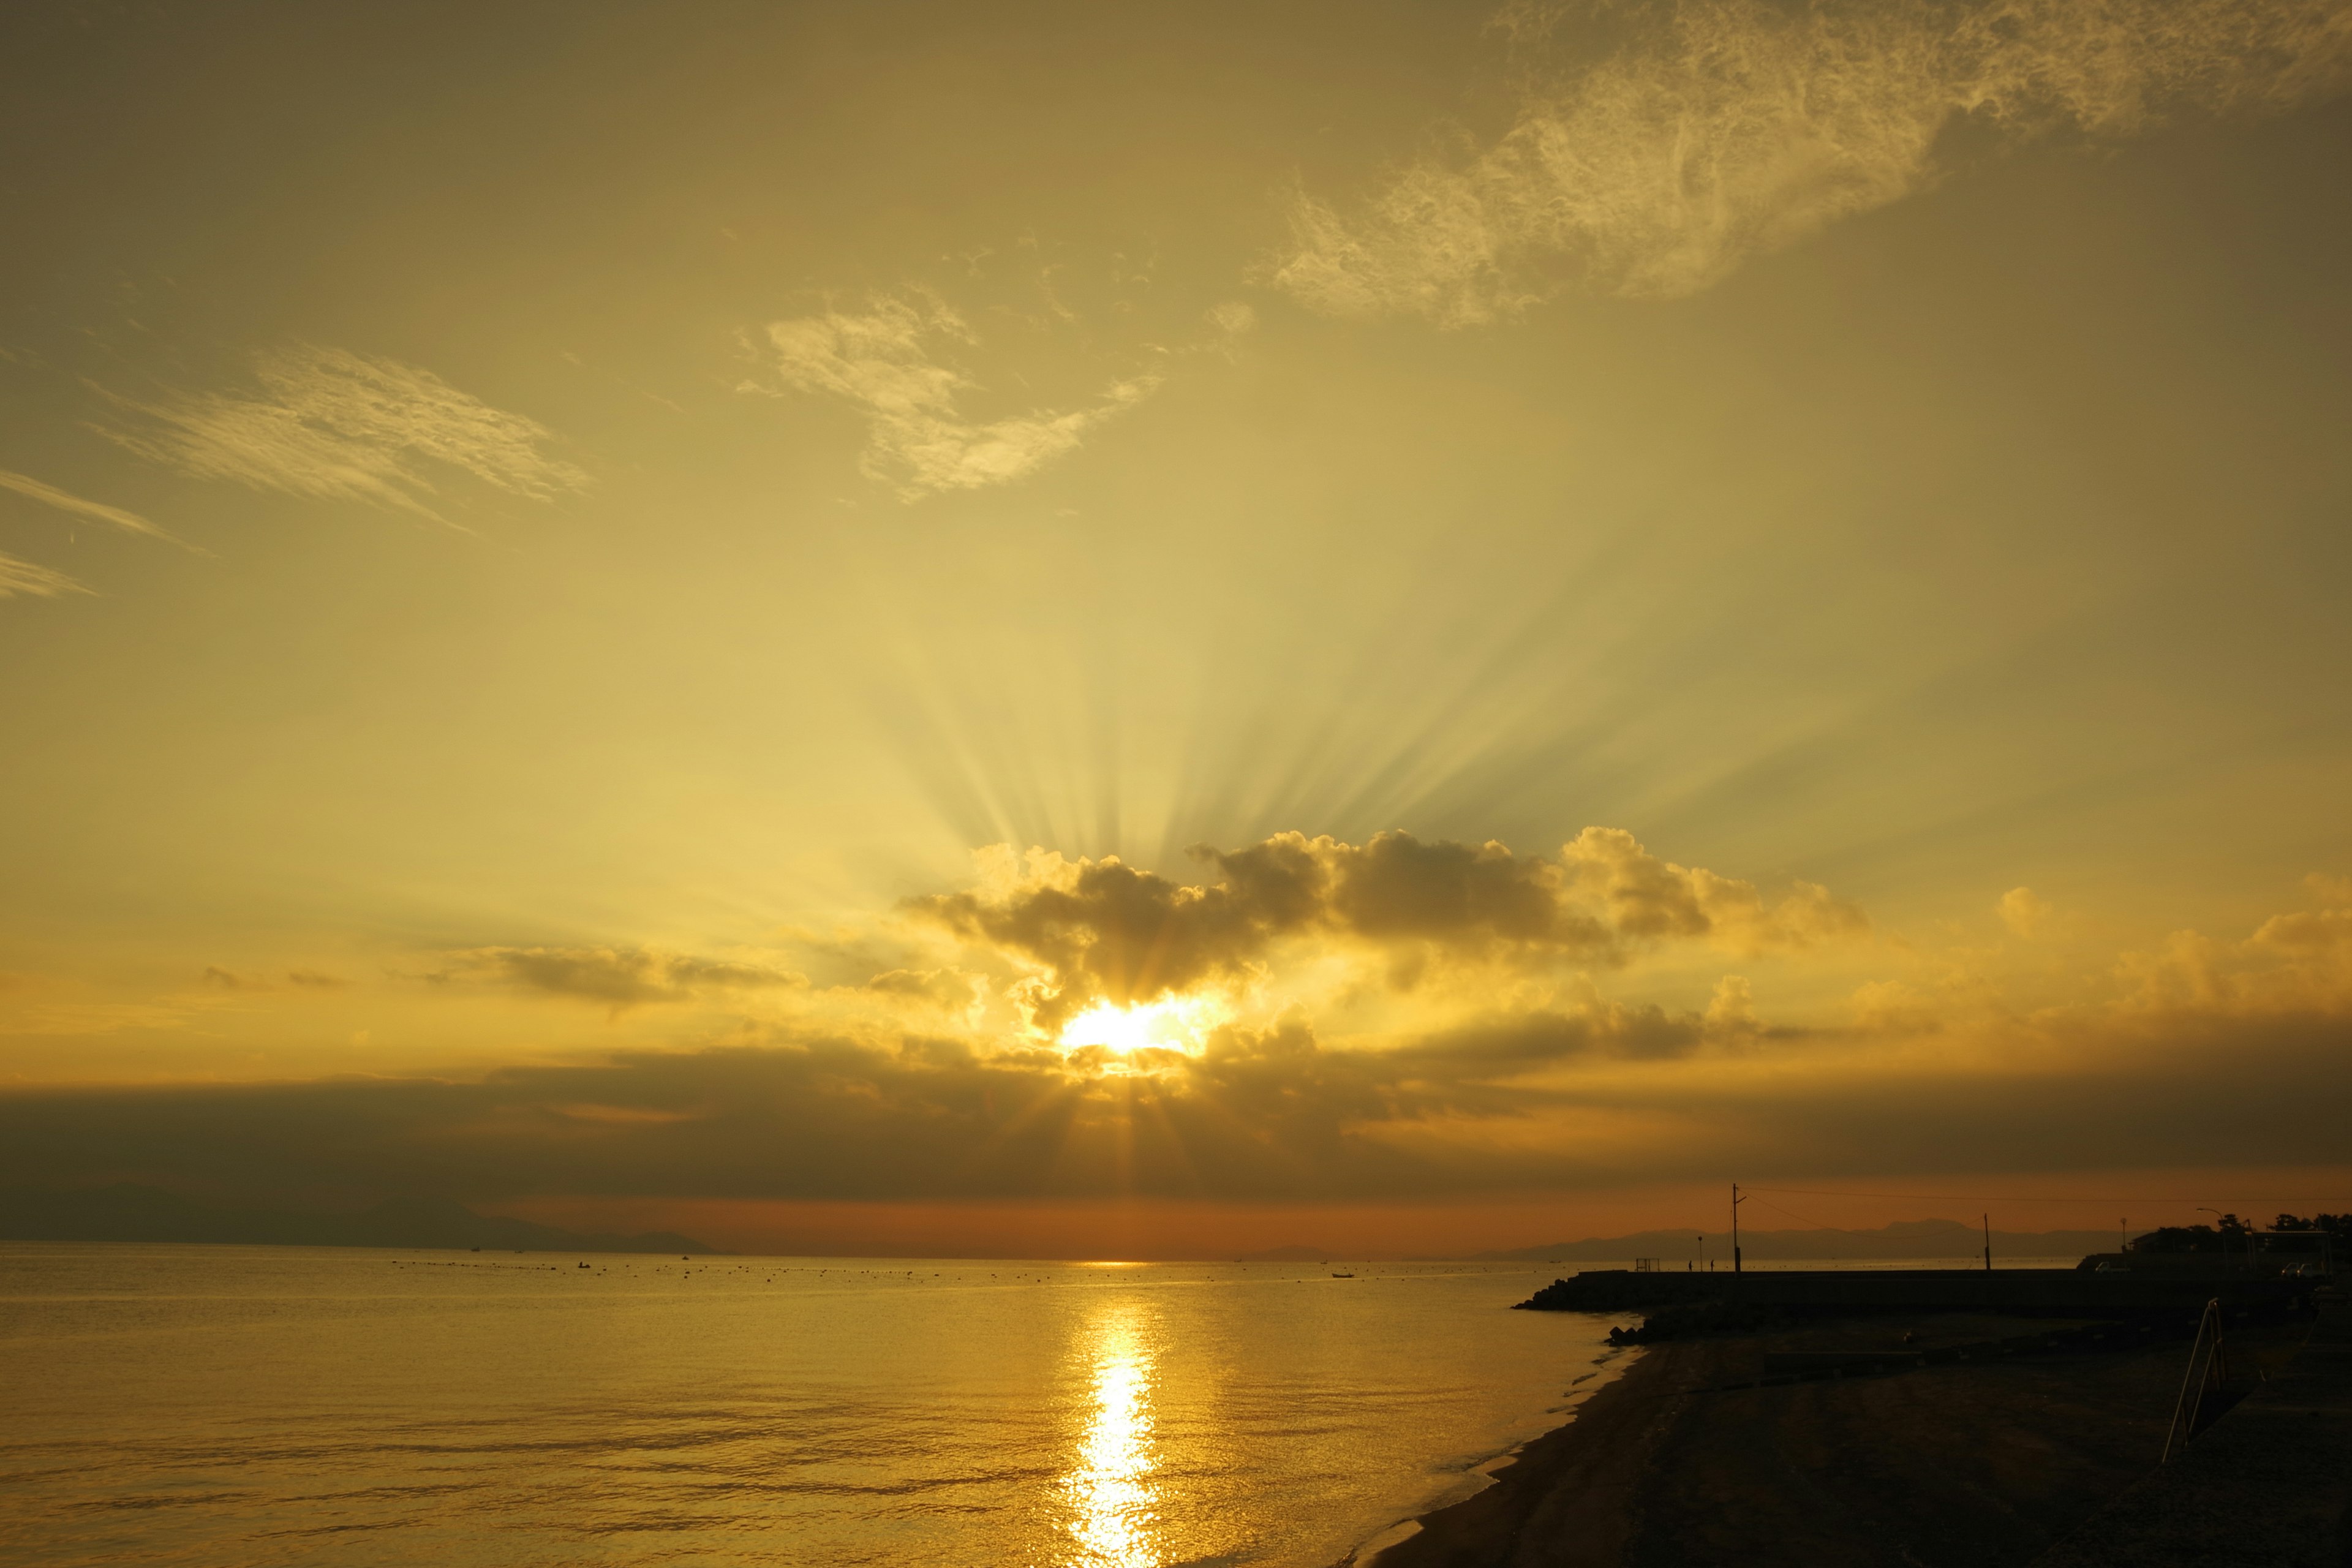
{"points": [[1069, 630]]}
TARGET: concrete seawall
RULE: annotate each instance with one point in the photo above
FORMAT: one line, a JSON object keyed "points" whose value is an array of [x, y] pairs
{"points": [[2055, 1291]]}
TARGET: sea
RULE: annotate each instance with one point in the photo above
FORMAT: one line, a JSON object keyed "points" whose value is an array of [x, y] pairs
{"points": [[186, 1405]]}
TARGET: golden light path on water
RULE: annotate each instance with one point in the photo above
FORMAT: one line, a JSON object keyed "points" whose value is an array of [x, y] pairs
{"points": [[191, 1405], [1113, 1520]]}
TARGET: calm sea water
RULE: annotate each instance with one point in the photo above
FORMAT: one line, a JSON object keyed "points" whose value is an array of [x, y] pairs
{"points": [[260, 1406]]}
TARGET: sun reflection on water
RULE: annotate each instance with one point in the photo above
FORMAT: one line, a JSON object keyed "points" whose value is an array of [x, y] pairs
{"points": [[1113, 1520]]}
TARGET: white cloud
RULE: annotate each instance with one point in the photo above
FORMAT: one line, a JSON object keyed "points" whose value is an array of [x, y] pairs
{"points": [[1731, 1011], [886, 362], [2024, 910], [328, 423], [49, 494], [1725, 128], [2300, 960], [1646, 897], [22, 577]]}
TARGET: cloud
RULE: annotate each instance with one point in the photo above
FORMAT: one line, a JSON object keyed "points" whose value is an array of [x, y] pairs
{"points": [[1649, 898], [331, 424], [1506, 1047], [1577, 1090], [23, 577], [947, 990], [1262, 1112], [223, 978], [1561, 1101], [1542, 1085], [886, 363], [617, 978], [2023, 911], [2328, 889], [2291, 963], [1101, 931], [49, 494], [1233, 318], [1719, 129], [1731, 1011]]}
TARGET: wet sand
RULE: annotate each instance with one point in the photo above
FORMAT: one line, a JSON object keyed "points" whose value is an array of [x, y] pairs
{"points": [[1968, 1466]]}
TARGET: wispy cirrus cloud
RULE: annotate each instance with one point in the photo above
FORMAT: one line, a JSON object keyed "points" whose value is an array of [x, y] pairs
{"points": [[328, 423], [24, 579], [891, 361], [1719, 129], [66, 502]]}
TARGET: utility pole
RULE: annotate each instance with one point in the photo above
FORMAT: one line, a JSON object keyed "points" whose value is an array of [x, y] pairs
{"points": [[1735, 1201], [1988, 1236]]}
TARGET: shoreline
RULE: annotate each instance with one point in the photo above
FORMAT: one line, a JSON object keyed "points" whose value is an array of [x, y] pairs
{"points": [[1614, 1369], [1687, 1459], [1587, 1452]]}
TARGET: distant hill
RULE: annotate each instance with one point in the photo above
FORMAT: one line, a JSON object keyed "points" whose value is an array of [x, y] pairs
{"points": [[127, 1213], [1904, 1238]]}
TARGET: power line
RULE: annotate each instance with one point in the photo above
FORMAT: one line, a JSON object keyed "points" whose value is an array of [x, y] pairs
{"points": [[1858, 1234]]}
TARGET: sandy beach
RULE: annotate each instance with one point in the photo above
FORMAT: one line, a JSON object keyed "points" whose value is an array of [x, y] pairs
{"points": [[1965, 1466]]}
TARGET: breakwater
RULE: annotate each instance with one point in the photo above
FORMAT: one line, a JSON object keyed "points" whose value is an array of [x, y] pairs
{"points": [[2029, 1291]]}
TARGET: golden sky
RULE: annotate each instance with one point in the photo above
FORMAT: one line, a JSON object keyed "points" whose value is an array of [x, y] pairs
{"points": [[918, 621]]}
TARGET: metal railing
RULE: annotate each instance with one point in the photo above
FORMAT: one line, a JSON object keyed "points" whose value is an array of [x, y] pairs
{"points": [[2208, 1368]]}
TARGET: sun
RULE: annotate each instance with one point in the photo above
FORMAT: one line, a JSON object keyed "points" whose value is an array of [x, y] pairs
{"points": [[1120, 1029], [1173, 1023]]}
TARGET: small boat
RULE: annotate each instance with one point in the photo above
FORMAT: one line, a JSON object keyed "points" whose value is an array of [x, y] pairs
{"points": [[1339, 1276], [584, 1266]]}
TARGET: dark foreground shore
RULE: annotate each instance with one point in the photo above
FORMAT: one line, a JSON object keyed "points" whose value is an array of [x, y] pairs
{"points": [[1991, 1461]]}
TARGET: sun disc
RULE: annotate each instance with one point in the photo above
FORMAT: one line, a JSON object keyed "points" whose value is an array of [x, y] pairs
{"points": [[1119, 1029]]}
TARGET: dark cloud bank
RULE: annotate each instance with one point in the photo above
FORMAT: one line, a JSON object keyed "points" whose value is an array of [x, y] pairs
{"points": [[1271, 1116], [123, 1210]]}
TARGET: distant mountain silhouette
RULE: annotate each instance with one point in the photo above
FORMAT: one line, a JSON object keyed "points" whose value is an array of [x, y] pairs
{"points": [[125, 1212], [1904, 1238]]}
